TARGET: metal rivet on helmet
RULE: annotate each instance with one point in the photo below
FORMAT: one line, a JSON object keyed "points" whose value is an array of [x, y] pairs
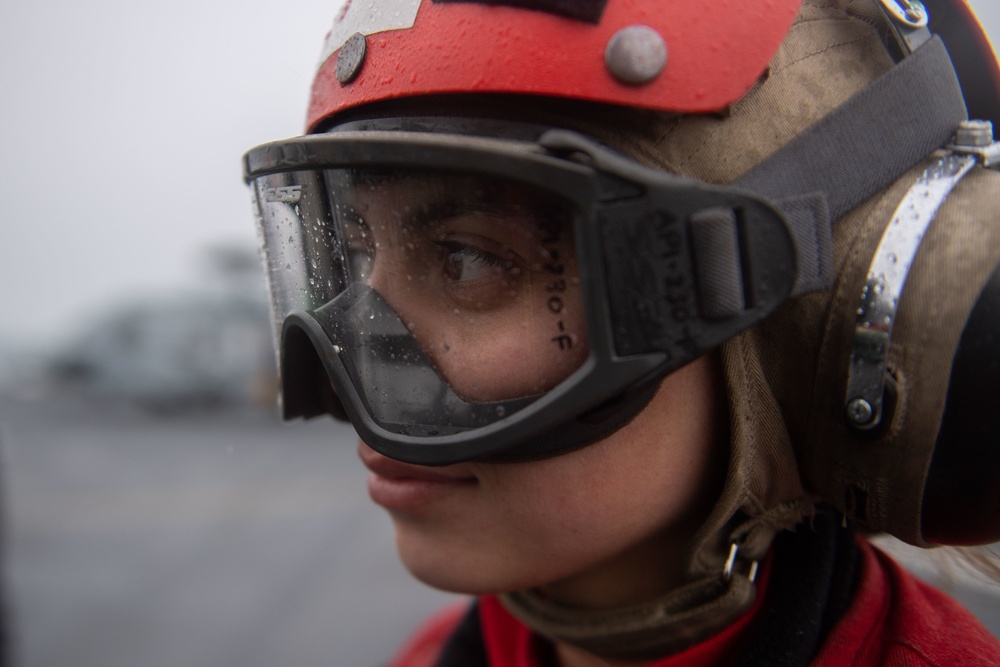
{"points": [[351, 57], [636, 54], [860, 412]]}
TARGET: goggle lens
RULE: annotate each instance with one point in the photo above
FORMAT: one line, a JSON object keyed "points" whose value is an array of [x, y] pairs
{"points": [[454, 300]]}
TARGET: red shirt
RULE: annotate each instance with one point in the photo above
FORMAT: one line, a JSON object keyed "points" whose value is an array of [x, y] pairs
{"points": [[893, 620]]}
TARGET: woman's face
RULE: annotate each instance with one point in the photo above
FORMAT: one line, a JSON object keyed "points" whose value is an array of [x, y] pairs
{"points": [[492, 296]]}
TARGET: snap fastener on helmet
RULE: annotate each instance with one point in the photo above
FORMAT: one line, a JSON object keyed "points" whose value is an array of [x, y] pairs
{"points": [[636, 54], [351, 58]]}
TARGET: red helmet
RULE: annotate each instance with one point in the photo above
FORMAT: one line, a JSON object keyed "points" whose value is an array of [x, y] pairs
{"points": [[674, 55], [669, 55]]}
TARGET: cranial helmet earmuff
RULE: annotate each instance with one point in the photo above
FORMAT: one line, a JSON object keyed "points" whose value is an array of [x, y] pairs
{"points": [[876, 473]]}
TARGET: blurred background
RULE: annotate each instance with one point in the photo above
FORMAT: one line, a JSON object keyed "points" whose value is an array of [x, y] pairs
{"points": [[154, 511]]}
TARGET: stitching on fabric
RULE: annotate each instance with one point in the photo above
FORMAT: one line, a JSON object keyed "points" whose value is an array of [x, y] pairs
{"points": [[663, 136], [697, 151], [749, 406], [816, 246], [822, 51]]}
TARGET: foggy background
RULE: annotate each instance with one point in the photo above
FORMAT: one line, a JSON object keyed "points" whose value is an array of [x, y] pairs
{"points": [[155, 513]]}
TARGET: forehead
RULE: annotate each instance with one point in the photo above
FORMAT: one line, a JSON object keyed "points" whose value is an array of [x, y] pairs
{"points": [[446, 191]]}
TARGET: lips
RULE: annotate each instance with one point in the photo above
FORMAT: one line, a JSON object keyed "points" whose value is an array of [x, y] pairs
{"points": [[405, 487]]}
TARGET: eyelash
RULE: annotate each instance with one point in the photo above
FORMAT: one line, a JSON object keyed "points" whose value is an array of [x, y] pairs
{"points": [[478, 254]]}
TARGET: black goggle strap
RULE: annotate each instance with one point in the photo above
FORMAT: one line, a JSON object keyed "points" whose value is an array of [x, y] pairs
{"points": [[857, 151]]}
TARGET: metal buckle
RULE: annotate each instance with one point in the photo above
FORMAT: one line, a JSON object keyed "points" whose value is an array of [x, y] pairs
{"points": [[727, 569]]}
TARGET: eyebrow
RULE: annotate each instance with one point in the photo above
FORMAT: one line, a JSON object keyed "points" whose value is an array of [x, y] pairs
{"points": [[475, 196]]}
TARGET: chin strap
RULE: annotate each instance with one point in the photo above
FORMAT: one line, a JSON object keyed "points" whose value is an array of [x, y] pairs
{"points": [[685, 616], [664, 626]]}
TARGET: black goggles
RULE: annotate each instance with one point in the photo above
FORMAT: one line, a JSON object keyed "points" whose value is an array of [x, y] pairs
{"points": [[461, 298]]}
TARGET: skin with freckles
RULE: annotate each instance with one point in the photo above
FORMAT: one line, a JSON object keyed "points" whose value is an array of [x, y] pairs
{"points": [[603, 526]]}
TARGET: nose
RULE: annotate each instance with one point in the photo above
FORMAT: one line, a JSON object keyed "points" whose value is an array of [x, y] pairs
{"points": [[390, 276], [384, 269]]}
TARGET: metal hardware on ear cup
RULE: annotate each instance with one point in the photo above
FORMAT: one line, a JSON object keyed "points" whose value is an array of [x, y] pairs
{"points": [[975, 138], [883, 288], [973, 143], [911, 13], [908, 21]]}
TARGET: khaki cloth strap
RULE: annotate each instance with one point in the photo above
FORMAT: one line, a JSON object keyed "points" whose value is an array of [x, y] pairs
{"points": [[664, 626]]}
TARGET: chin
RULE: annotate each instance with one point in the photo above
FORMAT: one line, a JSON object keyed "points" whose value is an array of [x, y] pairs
{"points": [[458, 564], [450, 576]]}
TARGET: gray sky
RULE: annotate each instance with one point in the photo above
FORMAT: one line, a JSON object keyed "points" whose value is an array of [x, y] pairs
{"points": [[121, 130]]}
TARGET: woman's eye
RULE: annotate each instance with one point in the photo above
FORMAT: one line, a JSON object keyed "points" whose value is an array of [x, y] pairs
{"points": [[465, 263]]}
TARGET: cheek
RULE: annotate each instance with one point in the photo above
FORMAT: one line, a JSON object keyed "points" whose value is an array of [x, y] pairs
{"points": [[602, 500], [504, 360], [521, 349]]}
